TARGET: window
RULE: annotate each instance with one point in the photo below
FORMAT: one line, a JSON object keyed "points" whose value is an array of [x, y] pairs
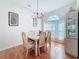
{"points": [[51, 18], [56, 26]]}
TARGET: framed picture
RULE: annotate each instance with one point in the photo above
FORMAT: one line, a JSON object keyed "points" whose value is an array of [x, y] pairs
{"points": [[13, 19]]}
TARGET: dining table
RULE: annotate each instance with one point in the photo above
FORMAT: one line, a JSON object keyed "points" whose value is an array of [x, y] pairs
{"points": [[35, 38]]}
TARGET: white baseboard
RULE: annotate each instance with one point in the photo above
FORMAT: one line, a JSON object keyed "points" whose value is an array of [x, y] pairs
{"points": [[10, 46]]}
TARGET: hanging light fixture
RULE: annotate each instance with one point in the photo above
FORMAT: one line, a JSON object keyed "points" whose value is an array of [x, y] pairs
{"points": [[37, 14]]}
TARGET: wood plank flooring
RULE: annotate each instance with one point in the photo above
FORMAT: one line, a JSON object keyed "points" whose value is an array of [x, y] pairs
{"points": [[55, 52]]}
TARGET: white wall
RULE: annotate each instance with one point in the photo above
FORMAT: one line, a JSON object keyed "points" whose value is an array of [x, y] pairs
{"points": [[10, 36]]}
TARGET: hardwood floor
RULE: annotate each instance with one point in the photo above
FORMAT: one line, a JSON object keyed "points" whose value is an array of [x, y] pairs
{"points": [[55, 52]]}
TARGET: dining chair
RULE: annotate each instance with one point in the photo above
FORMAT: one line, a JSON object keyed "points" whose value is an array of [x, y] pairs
{"points": [[49, 37], [27, 44], [42, 41]]}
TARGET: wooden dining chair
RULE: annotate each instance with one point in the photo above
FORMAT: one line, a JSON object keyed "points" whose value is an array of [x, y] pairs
{"points": [[27, 44], [42, 41], [49, 37]]}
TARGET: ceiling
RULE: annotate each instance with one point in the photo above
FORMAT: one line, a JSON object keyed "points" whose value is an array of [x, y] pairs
{"points": [[43, 5]]}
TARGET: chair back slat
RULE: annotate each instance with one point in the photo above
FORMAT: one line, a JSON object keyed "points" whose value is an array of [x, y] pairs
{"points": [[24, 38]]}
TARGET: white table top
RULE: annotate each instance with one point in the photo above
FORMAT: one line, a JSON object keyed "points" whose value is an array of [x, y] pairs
{"points": [[34, 37]]}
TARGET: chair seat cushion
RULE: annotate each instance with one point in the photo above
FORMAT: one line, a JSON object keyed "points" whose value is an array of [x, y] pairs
{"points": [[29, 45]]}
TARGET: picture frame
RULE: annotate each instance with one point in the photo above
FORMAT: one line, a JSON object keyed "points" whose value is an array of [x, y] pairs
{"points": [[13, 19]]}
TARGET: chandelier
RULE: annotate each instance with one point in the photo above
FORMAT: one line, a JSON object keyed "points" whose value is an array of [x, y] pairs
{"points": [[37, 14]]}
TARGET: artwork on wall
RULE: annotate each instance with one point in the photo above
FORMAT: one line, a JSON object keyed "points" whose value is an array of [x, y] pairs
{"points": [[13, 19]]}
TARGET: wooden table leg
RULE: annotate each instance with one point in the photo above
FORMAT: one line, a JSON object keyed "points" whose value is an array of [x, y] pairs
{"points": [[36, 49]]}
